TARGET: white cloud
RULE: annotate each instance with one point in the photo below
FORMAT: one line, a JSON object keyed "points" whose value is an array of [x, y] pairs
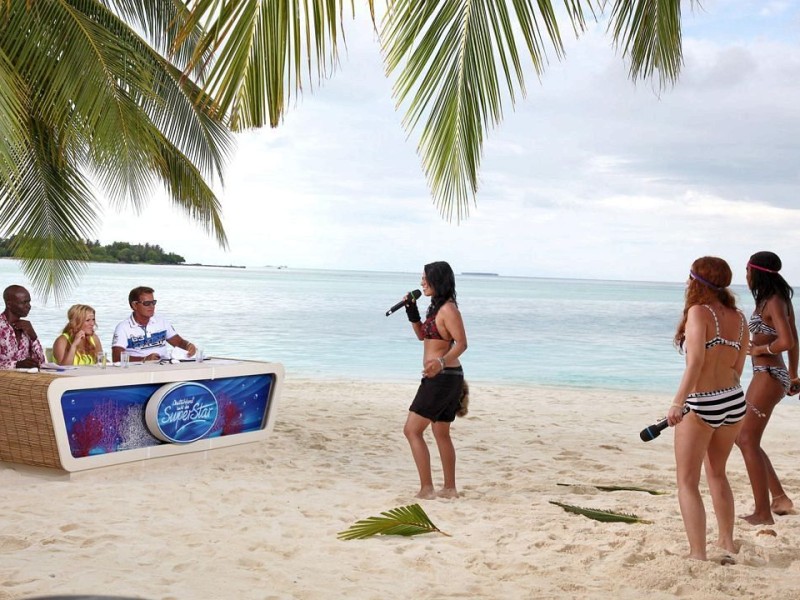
{"points": [[590, 176]]}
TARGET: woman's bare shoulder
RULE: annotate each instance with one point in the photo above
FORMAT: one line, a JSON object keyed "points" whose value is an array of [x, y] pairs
{"points": [[449, 307], [698, 311], [774, 305]]}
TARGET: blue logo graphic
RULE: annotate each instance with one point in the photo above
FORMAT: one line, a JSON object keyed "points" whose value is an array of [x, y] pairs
{"points": [[181, 412]]}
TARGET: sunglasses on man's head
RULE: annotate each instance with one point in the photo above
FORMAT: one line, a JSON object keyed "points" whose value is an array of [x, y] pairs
{"points": [[146, 302]]}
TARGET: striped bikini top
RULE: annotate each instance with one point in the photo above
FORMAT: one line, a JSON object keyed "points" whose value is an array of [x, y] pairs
{"points": [[718, 340], [757, 325]]}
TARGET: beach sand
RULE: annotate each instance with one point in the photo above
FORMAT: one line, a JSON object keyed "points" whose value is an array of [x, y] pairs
{"points": [[260, 520]]}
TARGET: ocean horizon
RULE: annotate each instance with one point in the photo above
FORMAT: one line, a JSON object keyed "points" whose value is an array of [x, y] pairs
{"points": [[331, 324]]}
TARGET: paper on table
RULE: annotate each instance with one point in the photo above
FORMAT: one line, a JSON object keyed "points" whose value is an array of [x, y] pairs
{"points": [[49, 366]]}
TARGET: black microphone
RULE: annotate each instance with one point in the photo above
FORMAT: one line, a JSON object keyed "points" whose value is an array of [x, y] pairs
{"points": [[652, 432], [414, 294]]}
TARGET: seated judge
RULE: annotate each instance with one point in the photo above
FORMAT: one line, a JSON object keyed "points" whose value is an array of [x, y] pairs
{"points": [[144, 335], [19, 345], [78, 344]]}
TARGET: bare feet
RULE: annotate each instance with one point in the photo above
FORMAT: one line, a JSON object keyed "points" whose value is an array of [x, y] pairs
{"points": [[447, 493], [697, 557], [427, 493], [729, 548], [756, 519], [782, 505]]}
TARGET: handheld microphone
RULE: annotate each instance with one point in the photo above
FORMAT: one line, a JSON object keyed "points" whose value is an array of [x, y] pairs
{"points": [[414, 294], [652, 432]]}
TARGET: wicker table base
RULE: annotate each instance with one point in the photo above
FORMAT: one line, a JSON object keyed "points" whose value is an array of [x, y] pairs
{"points": [[26, 426]]}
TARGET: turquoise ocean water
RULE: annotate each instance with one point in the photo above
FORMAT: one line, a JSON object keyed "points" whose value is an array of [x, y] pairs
{"points": [[331, 324]]}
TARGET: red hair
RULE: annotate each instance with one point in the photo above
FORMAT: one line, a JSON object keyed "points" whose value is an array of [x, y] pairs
{"points": [[713, 278]]}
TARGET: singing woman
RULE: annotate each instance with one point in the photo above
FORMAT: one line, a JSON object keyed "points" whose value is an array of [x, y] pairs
{"points": [[439, 397]]}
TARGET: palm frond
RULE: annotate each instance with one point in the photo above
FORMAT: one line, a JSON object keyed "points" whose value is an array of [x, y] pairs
{"points": [[455, 59], [618, 488], [628, 488], [49, 215], [161, 22], [606, 516], [13, 132], [129, 117], [649, 33], [189, 192], [264, 51], [452, 57], [404, 520]]}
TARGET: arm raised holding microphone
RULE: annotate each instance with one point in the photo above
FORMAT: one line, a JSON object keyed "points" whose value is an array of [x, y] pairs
{"points": [[441, 395], [407, 300]]}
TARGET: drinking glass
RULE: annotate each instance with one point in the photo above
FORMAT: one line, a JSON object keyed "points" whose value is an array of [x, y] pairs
{"points": [[124, 359], [199, 356], [101, 360]]}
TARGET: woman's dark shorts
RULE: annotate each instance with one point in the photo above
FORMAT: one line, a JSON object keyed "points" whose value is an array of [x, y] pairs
{"points": [[438, 398]]}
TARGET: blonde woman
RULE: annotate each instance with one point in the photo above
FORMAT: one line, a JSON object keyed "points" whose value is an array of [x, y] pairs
{"points": [[78, 344], [708, 409]]}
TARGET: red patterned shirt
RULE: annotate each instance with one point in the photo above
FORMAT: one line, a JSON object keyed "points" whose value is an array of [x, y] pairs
{"points": [[14, 349]]}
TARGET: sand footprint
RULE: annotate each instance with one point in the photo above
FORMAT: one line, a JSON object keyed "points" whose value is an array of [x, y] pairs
{"points": [[249, 563], [13, 543]]}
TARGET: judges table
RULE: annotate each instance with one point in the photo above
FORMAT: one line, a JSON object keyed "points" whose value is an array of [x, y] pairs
{"points": [[87, 417]]}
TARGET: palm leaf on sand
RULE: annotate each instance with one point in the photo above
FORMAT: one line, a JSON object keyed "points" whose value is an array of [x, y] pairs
{"points": [[404, 520], [620, 488], [605, 516]]}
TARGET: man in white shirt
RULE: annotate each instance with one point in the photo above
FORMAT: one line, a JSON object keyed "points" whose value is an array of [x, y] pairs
{"points": [[143, 335]]}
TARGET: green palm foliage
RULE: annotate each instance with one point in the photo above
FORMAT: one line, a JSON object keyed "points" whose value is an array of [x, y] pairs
{"points": [[404, 520], [605, 516], [620, 488], [262, 49], [88, 103], [127, 95], [455, 62]]}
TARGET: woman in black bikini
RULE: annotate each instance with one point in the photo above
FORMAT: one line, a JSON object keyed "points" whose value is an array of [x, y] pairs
{"points": [[439, 397], [773, 332]]}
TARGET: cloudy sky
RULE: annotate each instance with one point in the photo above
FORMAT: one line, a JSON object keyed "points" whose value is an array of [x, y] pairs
{"points": [[589, 176]]}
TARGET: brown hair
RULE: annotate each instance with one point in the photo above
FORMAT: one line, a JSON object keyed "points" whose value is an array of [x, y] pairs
{"points": [[709, 279], [137, 293]]}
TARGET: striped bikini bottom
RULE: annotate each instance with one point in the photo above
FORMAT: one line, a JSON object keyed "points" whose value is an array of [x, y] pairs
{"points": [[778, 373], [721, 407]]}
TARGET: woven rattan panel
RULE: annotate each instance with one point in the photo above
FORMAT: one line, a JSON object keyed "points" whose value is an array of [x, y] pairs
{"points": [[26, 427]]}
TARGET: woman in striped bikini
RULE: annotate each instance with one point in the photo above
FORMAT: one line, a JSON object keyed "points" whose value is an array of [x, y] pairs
{"points": [[709, 405], [773, 331]]}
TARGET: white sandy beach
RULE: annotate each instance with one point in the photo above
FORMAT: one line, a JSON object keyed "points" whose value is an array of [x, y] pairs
{"points": [[260, 520]]}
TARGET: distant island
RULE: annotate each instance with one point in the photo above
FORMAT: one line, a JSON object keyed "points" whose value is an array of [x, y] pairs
{"points": [[216, 266], [480, 273], [118, 252]]}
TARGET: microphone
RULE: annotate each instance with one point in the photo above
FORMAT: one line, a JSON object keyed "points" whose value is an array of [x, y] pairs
{"points": [[414, 294], [652, 432]]}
